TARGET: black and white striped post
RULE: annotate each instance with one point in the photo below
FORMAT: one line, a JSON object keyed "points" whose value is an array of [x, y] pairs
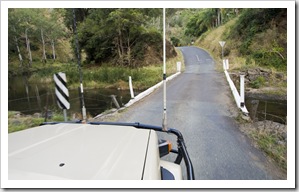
{"points": [[61, 92]]}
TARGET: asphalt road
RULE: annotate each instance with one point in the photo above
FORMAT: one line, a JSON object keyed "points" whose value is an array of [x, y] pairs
{"points": [[199, 104]]}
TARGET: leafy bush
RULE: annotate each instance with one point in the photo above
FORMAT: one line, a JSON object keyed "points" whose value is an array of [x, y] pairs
{"points": [[119, 36], [261, 34], [175, 41], [259, 82]]}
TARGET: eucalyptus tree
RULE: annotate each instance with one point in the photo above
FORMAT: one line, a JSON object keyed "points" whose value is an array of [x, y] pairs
{"points": [[34, 28], [119, 35], [14, 33]]}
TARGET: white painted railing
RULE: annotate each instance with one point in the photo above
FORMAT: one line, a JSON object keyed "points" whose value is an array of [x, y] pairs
{"points": [[239, 98], [151, 89]]}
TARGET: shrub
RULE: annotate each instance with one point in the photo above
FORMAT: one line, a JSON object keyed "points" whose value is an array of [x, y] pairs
{"points": [[259, 82]]}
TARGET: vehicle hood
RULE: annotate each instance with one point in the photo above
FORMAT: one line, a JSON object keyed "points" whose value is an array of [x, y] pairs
{"points": [[77, 151]]}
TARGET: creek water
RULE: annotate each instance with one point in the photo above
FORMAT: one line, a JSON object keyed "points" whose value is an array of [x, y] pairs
{"points": [[41, 96], [37, 97], [267, 109]]}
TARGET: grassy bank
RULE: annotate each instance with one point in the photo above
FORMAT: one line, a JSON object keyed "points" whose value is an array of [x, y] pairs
{"points": [[269, 140], [270, 137], [93, 77], [241, 63], [103, 76], [18, 122]]}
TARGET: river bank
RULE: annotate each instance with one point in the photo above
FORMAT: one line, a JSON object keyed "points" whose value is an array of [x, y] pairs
{"points": [[94, 77], [267, 125], [266, 95], [96, 80]]}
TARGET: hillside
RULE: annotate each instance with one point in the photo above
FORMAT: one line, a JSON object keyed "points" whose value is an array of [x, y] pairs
{"points": [[256, 42], [259, 52], [256, 46]]}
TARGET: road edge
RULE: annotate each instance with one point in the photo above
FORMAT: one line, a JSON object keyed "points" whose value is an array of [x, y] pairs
{"points": [[140, 96]]}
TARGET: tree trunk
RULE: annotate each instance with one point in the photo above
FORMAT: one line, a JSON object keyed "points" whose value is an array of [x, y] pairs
{"points": [[129, 53], [219, 17], [18, 49], [118, 49], [53, 49], [237, 11], [44, 58], [19, 52], [121, 47], [28, 48]]}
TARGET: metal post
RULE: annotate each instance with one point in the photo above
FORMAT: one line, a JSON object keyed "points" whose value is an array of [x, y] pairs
{"points": [[253, 109], [242, 96], [38, 98], [131, 87], [65, 115], [224, 66], [27, 92], [164, 121], [79, 67], [222, 52], [222, 43], [47, 104], [115, 101]]}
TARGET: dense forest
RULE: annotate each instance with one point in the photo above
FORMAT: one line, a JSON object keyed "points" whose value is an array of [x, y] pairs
{"points": [[132, 38], [257, 35], [120, 37]]}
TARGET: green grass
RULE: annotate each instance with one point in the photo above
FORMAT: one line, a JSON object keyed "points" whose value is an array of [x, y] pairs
{"points": [[100, 77], [22, 122], [103, 76], [259, 82], [267, 142], [93, 77]]}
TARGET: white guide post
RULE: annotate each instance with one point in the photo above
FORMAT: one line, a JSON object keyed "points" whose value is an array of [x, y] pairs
{"points": [[242, 94], [226, 64], [131, 87], [83, 105], [178, 66]]}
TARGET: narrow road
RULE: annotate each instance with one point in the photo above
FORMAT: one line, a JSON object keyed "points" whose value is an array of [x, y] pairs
{"points": [[198, 104]]}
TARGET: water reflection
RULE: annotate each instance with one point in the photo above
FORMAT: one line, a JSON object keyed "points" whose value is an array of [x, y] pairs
{"points": [[262, 109], [25, 98]]}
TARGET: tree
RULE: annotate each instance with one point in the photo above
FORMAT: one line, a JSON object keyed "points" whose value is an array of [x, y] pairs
{"points": [[28, 47], [117, 34], [128, 24], [200, 22], [32, 27], [14, 28]]}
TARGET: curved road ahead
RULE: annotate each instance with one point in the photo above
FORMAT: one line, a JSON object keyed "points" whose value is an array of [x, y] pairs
{"points": [[198, 103]]}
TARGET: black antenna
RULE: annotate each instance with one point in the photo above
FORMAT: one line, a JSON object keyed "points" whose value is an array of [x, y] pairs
{"points": [[164, 123], [79, 68]]}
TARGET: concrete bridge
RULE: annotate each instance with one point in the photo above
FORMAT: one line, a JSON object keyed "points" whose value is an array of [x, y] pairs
{"points": [[200, 105]]}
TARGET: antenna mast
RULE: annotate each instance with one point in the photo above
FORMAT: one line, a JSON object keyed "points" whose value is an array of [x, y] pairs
{"points": [[79, 67], [164, 123]]}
